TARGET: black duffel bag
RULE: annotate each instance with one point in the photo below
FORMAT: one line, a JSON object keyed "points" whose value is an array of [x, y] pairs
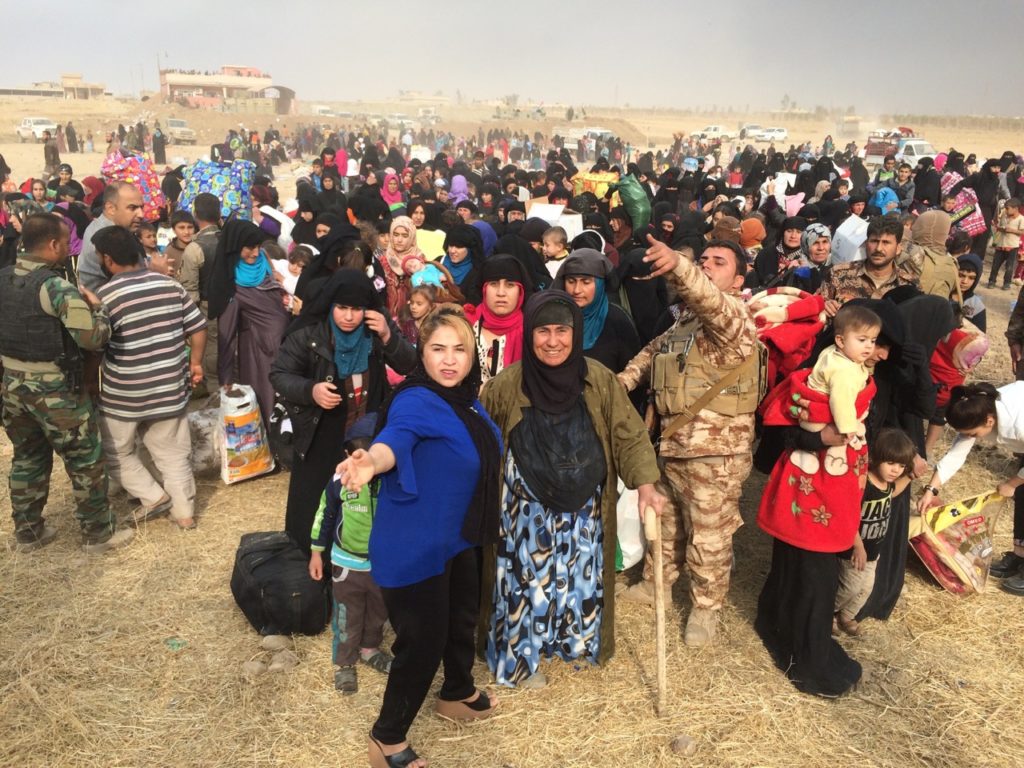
{"points": [[271, 585]]}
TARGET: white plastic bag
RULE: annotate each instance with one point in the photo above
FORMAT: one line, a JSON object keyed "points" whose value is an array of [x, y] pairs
{"points": [[244, 448], [630, 530]]}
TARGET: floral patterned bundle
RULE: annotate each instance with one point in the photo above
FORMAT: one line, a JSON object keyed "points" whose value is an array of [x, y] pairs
{"points": [[231, 182], [138, 171]]}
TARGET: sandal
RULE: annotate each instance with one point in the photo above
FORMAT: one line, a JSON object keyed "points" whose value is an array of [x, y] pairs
{"points": [[379, 661], [476, 709], [398, 760]]}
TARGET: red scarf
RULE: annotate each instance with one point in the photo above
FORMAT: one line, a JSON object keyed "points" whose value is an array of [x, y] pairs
{"points": [[510, 326]]}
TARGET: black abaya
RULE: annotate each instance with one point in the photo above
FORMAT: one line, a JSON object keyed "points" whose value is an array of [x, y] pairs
{"points": [[794, 620], [311, 475]]}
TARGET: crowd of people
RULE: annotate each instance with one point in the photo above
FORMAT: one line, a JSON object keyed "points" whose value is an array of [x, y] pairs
{"points": [[469, 387]]}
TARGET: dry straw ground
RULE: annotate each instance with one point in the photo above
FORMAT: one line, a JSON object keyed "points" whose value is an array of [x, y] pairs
{"points": [[134, 659], [91, 672]]}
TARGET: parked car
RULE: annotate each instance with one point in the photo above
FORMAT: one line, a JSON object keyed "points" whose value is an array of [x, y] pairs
{"points": [[178, 132], [750, 131], [33, 127], [773, 134]]}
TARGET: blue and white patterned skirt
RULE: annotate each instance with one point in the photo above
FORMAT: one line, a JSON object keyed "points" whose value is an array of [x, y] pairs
{"points": [[549, 590]]}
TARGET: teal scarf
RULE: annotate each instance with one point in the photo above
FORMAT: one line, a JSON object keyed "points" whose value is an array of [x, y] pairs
{"points": [[251, 275], [352, 349]]}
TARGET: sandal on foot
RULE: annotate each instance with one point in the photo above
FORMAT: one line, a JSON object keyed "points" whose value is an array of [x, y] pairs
{"points": [[379, 661], [345, 680], [398, 760], [143, 514], [476, 709]]}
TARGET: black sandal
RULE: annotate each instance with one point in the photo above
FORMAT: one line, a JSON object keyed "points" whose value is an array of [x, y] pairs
{"points": [[379, 661], [477, 709], [398, 760]]}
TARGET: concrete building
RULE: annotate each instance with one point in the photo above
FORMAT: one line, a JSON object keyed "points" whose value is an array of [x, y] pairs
{"points": [[231, 89], [71, 87]]}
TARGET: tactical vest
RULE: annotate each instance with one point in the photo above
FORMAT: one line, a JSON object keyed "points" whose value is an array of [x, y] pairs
{"points": [[680, 376], [26, 331], [208, 243]]}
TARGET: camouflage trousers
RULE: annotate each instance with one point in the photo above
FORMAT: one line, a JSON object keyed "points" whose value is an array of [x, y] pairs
{"points": [[41, 418], [702, 514]]}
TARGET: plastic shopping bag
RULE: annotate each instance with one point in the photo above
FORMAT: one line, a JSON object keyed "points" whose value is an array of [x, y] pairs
{"points": [[955, 542], [630, 530], [244, 448]]}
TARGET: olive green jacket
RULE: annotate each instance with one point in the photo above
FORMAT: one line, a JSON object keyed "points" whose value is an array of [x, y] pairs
{"points": [[627, 451]]}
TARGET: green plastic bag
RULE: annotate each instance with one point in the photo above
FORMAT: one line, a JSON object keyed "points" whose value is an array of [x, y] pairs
{"points": [[634, 200]]}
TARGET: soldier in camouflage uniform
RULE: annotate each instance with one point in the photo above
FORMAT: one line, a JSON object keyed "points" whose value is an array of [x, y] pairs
{"points": [[705, 461], [44, 323]]}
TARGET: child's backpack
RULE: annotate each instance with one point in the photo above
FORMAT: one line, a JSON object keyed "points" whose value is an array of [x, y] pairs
{"points": [[271, 585]]}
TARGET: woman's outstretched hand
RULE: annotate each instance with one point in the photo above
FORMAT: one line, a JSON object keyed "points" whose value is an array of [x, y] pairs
{"points": [[356, 471]]}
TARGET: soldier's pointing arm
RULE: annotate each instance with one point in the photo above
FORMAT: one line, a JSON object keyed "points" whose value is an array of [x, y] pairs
{"points": [[89, 328], [725, 320]]}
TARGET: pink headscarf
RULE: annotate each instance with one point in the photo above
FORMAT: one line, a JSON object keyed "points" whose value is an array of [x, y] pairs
{"points": [[393, 199]]}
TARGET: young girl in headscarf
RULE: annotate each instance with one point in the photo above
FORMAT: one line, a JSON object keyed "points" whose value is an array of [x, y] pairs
{"points": [[391, 192], [498, 320], [401, 245]]}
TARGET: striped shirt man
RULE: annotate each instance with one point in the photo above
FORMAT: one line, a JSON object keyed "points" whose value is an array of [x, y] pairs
{"points": [[146, 365]]}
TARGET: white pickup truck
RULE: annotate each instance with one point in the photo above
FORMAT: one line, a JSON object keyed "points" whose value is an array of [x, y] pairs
{"points": [[33, 127], [713, 132]]}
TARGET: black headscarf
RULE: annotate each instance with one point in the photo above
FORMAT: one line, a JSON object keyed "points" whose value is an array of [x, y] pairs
{"points": [[324, 263], [552, 389], [304, 232], [480, 526], [235, 236]]}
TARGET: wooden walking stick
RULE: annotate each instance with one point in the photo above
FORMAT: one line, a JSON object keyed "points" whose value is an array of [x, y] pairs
{"points": [[652, 532]]}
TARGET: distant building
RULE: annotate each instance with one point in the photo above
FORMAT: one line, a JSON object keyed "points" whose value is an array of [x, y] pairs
{"points": [[232, 89], [71, 86]]}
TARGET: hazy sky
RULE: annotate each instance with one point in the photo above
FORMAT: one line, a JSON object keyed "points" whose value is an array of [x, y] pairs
{"points": [[943, 56]]}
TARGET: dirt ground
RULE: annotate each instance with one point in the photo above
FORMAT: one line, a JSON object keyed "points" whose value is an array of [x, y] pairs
{"points": [[134, 658]]}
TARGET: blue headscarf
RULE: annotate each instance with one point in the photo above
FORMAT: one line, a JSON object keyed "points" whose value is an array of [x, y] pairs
{"points": [[595, 314], [351, 349], [251, 275], [460, 271]]}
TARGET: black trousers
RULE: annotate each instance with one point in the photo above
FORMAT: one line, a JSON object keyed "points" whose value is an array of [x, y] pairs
{"points": [[435, 623], [1002, 259], [794, 620]]}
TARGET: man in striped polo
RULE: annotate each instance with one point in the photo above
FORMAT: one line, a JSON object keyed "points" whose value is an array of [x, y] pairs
{"points": [[155, 351]]}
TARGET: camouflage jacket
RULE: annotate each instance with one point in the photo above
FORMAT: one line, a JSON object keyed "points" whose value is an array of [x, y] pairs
{"points": [[726, 337], [851, 281], [88, 328]]}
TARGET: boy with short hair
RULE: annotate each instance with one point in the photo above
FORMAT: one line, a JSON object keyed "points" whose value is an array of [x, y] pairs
{"points": [[343, 523], [184, 228], [1006, 234], [890, 457], [147, 236], [554, 247]]}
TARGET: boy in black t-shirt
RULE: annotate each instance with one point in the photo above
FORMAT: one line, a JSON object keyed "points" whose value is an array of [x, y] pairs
{"points": [[891, 457]]}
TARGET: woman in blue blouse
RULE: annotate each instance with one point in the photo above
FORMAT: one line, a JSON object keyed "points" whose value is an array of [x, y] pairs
{"points": [[428, 530]]}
